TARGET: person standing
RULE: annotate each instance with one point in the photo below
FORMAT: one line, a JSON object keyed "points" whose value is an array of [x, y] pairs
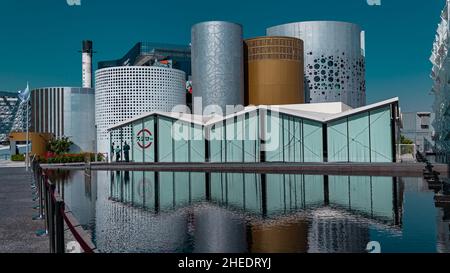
{"points": [[126, 152], [111, 154], [118, 152]]}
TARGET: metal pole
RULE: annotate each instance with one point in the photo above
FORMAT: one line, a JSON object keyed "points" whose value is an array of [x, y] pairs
{"points": [[51, 217], [45, 202], [59, 210], [27, 150], [41, 192]]}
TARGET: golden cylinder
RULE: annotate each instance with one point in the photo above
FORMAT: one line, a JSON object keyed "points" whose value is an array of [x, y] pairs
{"points": [[274, 71], [283, 237]]}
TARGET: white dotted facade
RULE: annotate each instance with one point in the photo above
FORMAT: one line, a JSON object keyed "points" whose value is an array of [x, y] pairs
{"points": [[334, 60], [125, 92]]}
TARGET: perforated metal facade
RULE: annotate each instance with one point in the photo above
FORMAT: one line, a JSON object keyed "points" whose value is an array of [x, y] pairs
{"points": [[126, 92], [334, 60], [218, 63]]}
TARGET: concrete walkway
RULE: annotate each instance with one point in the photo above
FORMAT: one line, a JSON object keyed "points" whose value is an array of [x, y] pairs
{"points": [[17, 229], [11, 164]]}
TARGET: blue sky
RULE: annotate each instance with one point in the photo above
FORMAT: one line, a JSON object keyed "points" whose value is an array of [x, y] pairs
{"points": [[40, 39]]}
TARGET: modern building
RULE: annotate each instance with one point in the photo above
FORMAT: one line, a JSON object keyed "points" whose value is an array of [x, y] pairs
{"points": [[417, 126], [217, 65], [154, 54], [334, 60], [65, 112], [12, 115], [441, 77], [274, 71], [327, 132], [125, 92]]}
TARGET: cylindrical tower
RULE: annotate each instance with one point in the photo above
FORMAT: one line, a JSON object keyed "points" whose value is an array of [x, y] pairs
{"points": [[217, 64], [334, 60], [274, 71], [87, 64], [125, 92]]}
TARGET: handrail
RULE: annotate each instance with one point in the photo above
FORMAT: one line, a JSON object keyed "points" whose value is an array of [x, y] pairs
{"points": [[53, 207]]}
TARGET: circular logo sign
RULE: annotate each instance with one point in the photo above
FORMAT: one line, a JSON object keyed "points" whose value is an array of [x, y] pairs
{"points": [[144, 138]]}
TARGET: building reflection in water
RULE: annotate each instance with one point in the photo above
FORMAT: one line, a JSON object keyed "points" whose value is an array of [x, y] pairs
{"points": [[231, 212], [79, 191], [443, 220]]}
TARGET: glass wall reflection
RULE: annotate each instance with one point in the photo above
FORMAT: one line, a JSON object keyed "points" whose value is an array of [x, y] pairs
{"points": [[233, 212]]}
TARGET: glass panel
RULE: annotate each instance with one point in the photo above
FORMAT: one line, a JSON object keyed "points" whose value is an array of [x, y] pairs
{"points": [[218, 187], [166, 191], [198, 187], [147, 137], [337, 141], [180, 139], [274, 137], [234, 141], [148, 187], [312, 139], [339, 190], [276, 198], [165, 141], [382, 195], [197, 144], [251, 142], [358, 128], [138, 150], [291, 190], [294, 184], [182, 189], [216, 143], [292, 139], [235, 193], [380, 135], [313, 189], [138, 188], [253, 193], [361, 194]]}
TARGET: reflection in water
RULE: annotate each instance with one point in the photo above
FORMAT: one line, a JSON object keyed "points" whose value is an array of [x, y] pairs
{"points": [[228, 212], [79, 190], [443, 220]]}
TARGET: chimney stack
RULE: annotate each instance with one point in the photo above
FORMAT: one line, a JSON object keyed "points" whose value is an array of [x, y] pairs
{"points": [[87, 63]]}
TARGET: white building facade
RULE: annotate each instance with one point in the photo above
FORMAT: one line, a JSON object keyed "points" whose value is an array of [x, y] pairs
{"points": [[441, 88], [128, 91], [334, 60]]}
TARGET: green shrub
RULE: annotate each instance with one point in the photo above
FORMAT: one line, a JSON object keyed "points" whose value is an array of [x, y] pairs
{"points": [[19, 157], [59, 146], [72, 158]]}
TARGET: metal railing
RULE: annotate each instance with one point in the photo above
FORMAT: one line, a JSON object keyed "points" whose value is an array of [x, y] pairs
{"points": [[54, 211]]}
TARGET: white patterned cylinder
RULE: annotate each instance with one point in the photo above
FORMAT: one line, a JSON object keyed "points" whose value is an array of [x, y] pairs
{"points": [[125, 92], [218, 64], [334, 60]]}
